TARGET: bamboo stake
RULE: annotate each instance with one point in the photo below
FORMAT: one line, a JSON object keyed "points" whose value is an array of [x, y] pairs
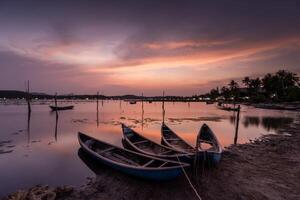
{"points": [[237, 124], [163, 106], [28, 98], [97, 109]]}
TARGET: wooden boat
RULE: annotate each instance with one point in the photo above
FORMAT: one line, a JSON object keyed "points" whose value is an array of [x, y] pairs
{"points": [[208, 148], [208, 142], [171, 139], [130, 162], [54, 108], [132, 102], [134, 141]]}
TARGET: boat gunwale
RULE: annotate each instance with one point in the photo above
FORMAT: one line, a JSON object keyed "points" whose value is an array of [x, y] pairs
{"points": [[219, 146]]}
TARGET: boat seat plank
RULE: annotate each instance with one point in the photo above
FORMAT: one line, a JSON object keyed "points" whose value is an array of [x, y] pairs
{"points": [[162, 164], [206, 141], [148, 163], [173, 139], [125, 159], [140, 142], [105, 150], [167, 152]]}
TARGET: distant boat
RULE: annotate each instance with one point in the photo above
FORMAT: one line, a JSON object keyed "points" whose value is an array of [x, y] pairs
{"points": [[132, 102], [130, 162], [208, 143], [55, 108], [210, 102], [134, 141]]}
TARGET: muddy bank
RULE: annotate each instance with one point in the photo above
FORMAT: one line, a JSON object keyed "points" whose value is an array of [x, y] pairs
{"points": [[267, 168]]}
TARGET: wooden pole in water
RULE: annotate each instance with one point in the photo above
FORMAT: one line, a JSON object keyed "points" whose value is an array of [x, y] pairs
{"points": [[196, 156], [163, 106], [237, 124], [97, 109], [28, 97], [142, 111], [97, 101]]}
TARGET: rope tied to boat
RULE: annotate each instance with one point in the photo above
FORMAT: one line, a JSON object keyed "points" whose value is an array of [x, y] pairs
{"points": [[188, 179]]}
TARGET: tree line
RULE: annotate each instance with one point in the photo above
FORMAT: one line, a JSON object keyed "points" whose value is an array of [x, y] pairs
{"points": [[278, 87]]}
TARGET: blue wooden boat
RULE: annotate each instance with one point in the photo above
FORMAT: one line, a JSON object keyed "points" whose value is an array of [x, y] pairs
{"points": [[136, 142], [130, 162], [208, 147]]}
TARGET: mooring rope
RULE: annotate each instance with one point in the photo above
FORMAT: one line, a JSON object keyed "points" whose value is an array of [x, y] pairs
{"points": [[189, 181]]}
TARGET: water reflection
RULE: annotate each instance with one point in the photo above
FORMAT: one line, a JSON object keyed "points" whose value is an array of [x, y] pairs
{"points": [[19, 129], [56, 123], [267, 122], [274, 123], [251, 121], [28, 127]]}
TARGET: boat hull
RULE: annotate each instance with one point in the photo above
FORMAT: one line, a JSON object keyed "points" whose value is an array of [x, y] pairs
{"points": [[156, 174], [55, 108]]}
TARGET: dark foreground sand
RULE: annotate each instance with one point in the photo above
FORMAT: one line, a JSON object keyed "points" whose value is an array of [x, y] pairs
{"points": [[268, 168]]}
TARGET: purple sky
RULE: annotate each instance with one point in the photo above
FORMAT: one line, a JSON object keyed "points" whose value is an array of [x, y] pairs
{"points": [[121, 47]]}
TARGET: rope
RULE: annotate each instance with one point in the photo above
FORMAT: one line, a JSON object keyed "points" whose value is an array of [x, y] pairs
{"points": [[188, 179]]}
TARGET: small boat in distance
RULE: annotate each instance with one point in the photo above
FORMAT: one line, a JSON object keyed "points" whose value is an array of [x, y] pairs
{"points": [[132, 102], [136, 142], [210, 102], [208, 143], [55, 108], [130, 162]]}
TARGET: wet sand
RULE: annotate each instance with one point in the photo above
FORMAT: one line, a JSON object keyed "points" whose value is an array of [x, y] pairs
{"points": [[267, 168]]}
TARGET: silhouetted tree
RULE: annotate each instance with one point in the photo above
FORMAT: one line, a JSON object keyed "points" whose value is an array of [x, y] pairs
{"points": [[280, 83]]}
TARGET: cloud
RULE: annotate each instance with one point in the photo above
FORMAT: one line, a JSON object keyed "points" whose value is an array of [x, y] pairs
{"points": [[144, 45]]}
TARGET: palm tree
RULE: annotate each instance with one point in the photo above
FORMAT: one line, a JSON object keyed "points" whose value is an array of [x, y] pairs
{"points": [[233, 85], [246, 81]]}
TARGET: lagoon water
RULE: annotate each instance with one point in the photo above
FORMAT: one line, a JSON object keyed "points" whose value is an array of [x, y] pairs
{"points": [[43, 149]]}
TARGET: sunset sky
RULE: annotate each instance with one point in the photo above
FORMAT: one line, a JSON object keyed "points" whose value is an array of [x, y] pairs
{"points": [[130, 47]]}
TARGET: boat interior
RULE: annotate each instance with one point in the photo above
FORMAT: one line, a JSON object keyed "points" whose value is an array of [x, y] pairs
{"points": [[122, 156], [176, 141], [149, 146], [207, 141]]}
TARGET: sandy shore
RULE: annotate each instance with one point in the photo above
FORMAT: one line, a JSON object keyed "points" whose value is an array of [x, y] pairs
{"points": [[268, 168]]}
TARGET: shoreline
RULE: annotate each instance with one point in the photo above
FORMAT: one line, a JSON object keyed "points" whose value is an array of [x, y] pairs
{"points": [[266, 168]]}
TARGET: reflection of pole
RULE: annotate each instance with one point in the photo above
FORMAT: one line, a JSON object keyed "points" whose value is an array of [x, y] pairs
{"points": [[237, 124], [56, 122], [28, 127]]}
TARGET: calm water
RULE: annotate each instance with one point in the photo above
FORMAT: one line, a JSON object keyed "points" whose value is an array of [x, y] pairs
{"points": [[41, 151]]}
